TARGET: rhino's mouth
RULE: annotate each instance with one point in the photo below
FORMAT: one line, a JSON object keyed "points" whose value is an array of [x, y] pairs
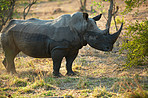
{"points": [[107, 49]]}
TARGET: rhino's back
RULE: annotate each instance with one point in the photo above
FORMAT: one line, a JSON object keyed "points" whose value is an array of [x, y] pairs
{"points": [[22, 34], [33, 36]]}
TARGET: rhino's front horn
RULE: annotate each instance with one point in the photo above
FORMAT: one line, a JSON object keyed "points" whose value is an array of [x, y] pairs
{"points": [[96, 18], [116, 35]]}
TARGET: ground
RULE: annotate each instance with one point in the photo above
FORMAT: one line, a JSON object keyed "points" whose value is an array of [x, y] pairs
{"points": [[99, 74]]}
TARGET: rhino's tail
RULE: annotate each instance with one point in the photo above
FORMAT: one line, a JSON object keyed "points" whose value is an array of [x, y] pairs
{"points": [[7, 40], [5, 31], [8, 26]]}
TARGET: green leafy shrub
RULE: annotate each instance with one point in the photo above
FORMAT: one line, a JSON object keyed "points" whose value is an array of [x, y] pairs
{"points": [[137, 45], [130, 4]]}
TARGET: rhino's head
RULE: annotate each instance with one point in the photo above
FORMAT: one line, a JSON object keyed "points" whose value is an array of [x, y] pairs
{"points": [[87, 27], [100, 39]]}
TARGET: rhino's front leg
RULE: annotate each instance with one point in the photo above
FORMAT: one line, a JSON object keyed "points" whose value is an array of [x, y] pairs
{"points": [[69, 60], [57, 56]]}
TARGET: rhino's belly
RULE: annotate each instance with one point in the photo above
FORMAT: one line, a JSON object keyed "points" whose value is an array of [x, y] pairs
{"points": [[33, 45], [37, 50]]}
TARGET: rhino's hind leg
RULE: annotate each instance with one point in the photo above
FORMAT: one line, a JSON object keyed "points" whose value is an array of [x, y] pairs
{"points": [[10, 51], [9, 60], [69, 60]]}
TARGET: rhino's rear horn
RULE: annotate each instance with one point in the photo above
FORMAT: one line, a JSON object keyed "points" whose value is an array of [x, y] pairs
{"points": [[96, 18]]}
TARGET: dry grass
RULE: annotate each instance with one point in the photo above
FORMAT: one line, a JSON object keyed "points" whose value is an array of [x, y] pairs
{"points": [[95, 78], [99, 74]]}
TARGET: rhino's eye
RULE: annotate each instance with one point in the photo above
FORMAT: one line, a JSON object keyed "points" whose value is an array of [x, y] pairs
{"points": [[97, 37], [95, 44]]}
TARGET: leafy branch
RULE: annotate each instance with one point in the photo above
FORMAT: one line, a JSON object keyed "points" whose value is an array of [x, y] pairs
{"points": [[6, 11]]}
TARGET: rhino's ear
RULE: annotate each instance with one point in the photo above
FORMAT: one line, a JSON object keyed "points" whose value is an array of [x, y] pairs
{"points": [[96, 18], [85, 16]]}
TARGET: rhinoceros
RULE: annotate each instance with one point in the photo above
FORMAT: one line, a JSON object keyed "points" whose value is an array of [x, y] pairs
{"points": [[57, 38]]}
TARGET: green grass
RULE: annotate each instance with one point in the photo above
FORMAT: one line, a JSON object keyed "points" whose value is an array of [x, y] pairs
{"points": [[50, 93]]}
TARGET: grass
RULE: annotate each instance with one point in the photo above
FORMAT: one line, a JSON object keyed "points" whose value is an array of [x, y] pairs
{"points": [[92, 80], [102, 92]]}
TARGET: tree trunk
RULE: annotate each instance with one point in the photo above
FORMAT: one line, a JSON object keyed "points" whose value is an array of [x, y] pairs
{"points": [[110, 14]]}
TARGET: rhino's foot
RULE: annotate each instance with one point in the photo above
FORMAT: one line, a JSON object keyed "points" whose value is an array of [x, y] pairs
{"points": [[57, 75], [70, 73]]}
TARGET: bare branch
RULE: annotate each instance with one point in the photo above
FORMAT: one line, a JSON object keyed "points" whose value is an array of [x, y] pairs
{"points": [[115, 12], [83, 5], [28, 8], [114, 17], [104, 16], [115, 8]]}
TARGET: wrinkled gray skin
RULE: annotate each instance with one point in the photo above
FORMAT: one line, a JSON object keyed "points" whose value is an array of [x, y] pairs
{"points": [[58, 38]]}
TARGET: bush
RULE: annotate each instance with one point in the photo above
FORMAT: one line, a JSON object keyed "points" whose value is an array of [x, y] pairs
{"points": [[137, 45]]}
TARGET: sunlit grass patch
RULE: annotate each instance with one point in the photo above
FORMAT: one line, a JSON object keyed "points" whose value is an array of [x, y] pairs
{"points": [[2, 94], [76, 67], [41, 84], [83, 83], [7, 91], [26, 90], [5, 76], [69, 94], [38, 84], [50, 93], [52, 81], [20, 62], [85, 93], [138, 93], [20, 82], [69, 79], [100, 92]]}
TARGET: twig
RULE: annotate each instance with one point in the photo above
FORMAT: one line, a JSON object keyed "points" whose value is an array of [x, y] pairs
{"points": [[117, 8], [114, 16], [28, 6], [83, 5], [104, 16]]}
